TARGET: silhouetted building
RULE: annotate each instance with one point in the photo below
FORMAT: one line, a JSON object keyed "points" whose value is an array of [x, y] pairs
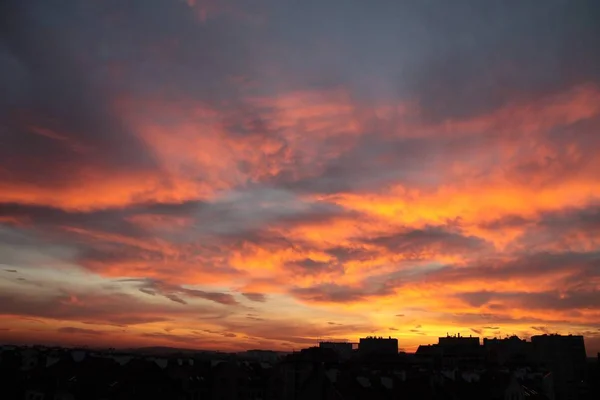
{"points": [[316, 373], [343, 349], [594, 377], [429, 355], [565, 357], [378, 345], [460, 351], [510, 351], [458, 341], [261, 355], [295, 369]]}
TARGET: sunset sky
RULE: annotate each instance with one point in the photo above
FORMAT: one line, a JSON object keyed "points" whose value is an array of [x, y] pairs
{"points": [[229, 174]]}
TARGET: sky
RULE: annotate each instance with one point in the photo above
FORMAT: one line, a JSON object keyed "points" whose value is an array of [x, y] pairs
{"points": [[265, 174]]}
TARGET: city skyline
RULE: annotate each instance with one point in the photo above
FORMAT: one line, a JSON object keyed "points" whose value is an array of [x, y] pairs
{"points": [[231, 175]]}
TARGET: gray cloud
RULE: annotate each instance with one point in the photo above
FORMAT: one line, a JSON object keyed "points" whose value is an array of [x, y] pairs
{"points": [[551, 300], [332, 292], [254, 317], [542, 329], [308, 266], [496, 318], [578, 267], [174, 292], [343, 254], [93, 308], [78, 126], [584, 220], [482, 58], [175, 298], [257, 207], [469, 60], [259, 297], [413, 243], [236, 216], [175, 338], [73, 330]]}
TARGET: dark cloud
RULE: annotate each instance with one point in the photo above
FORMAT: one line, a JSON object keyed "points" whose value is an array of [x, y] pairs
{"points": [[467, 48], [580, 266], [175, 298], [584, 221], [51, 218], [374, 161], [39, 321], [258, 297], [496, 318], [64, 86], [551, 300], [542, 329], [308, 266], [563, 229], [167, 336], [14, 271], [174, 292], [106, 309], [380, 158], [254, 317], [114, 220], [414, 243], [221, 298], [480, 58], [309, 263], [103, 240], [234, 216], [334, 293], [25, 248], [472, 61], [343, 254], [506, 221], [469, 60], [476, 299], [258, 206], [58, 119], [225, 334], [73, 330], [291, 330], [148, 291]]}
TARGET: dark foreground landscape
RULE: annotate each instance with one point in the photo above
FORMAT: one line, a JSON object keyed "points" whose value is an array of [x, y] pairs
{"points": [[549, 367]]}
